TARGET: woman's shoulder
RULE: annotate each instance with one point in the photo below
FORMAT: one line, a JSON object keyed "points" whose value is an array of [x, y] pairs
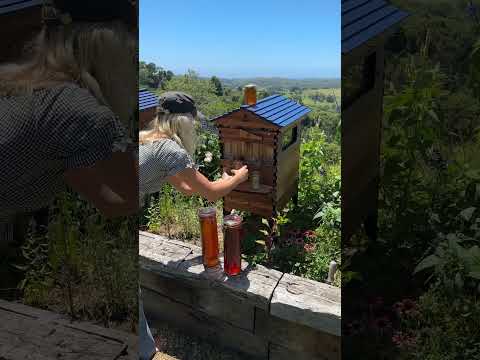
{"points": [[165, 150], [72, 98], [164, 145]]}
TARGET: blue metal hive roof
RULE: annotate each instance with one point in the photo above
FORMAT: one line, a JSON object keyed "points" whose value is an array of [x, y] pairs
{"points": [[146, 99], [276, 109], [363, 20], [7, 6]]}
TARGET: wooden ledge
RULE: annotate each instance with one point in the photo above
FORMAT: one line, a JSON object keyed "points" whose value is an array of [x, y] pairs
{"points": [[287, 297], [309, 303], [171, 258]]}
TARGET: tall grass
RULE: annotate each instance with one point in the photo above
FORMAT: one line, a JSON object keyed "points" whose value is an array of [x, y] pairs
{"points": [[84, 265]]}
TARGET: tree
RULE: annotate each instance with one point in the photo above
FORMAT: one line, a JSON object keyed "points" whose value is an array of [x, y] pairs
{"points": [[153, 76], [218, 86]]}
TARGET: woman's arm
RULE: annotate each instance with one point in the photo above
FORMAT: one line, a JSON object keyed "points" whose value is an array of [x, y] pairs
{"points": [[191, 181], [110, 185]]}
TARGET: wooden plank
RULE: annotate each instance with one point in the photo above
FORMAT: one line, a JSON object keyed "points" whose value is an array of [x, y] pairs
{"points": [[254, 285], [230, 204], [245, 119], [158, 252], [287, 170], [28, 333], [308, 302], [255, 203], [161, 309], [296, 339], [247, 187], [278, 352], [191, 284], [241, 134]]}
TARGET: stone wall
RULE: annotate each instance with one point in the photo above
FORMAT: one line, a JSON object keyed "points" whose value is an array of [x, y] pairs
{"points": [[261, 312]]}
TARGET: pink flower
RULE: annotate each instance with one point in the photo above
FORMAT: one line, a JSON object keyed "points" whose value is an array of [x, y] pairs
{"points": [[402, 340], [309, 247], [309, 234]]}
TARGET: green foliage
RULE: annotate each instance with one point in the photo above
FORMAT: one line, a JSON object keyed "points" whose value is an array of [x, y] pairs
{"points": [[175, 214], [84, 265], [429, 196], [152, 76], [218, 85], [443, 316]]}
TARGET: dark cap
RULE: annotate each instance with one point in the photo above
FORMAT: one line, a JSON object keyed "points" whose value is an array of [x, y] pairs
{"points": [[176, 102]]}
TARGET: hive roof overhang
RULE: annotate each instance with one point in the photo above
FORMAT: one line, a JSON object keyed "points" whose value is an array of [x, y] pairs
{"points": [[146, 99], [364, 20], [10, 6], [276, 109]]}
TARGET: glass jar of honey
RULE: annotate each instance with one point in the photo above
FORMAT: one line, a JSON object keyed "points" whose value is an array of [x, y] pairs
{"points": [[255, 180], [232, 238], [209, 235]]}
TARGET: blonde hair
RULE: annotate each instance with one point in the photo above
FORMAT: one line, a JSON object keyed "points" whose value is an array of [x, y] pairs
{"points": [[177, 127], [98, 56]]}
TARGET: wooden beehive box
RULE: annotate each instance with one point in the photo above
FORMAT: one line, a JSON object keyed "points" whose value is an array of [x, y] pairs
{"points": [[365, 26], [265, 136]]}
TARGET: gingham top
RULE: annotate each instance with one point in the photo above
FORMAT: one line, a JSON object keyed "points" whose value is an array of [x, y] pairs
{"points": [[158, 160], [46, 133]]}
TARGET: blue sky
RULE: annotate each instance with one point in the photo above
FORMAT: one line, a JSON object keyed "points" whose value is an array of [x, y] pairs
{"points": [[294, 39]]}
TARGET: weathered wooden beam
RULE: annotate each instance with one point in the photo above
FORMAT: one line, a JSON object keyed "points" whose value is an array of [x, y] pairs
{"points": [[307, 302], [29, 333], [186, 281], [159, 308]]}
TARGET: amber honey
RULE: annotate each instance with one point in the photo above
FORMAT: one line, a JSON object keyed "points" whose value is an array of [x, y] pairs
{"points": [[250, 94], [232, 239], [209, 236]]}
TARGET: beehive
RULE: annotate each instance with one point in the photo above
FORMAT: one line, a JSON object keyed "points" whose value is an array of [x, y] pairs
{"points": [[365, 26], [265, 136]]}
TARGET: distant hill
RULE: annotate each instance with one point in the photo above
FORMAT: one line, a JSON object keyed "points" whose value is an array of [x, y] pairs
{"points": [[276, 83]]}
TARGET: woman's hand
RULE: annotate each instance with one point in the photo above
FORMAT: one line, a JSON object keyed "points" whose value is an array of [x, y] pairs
{"points": [[241, 174], [191, 181]]}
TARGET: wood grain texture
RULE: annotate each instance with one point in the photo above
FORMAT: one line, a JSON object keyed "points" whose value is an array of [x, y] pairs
{"points": [[297, 338], [253, 285], [157, 252], [311, 303], [245, 119], [288, 163], [158, 308], [361, 139], [29, 333], [279, 352]]}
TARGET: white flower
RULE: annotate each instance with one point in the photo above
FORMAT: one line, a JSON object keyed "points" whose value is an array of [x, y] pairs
{"points": [[208, 157]]}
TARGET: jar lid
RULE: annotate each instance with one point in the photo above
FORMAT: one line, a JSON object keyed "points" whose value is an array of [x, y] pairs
{"points": [[232, 220], [207, 211]]}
